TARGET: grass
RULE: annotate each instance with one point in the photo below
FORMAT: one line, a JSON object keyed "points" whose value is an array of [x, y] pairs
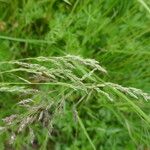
{"points": [[54, 95]]}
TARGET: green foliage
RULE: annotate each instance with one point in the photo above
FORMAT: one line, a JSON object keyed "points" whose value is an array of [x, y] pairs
{"points": [[84, 110]]}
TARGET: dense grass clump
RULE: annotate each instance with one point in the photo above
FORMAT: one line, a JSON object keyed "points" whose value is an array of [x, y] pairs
{"points": [[54, 93]]}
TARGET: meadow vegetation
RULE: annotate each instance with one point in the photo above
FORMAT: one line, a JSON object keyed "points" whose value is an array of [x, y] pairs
{"points": [[75, 74]]}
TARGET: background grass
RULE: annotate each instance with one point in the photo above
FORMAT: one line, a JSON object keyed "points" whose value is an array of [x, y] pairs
{"points": [[114, 32]]}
